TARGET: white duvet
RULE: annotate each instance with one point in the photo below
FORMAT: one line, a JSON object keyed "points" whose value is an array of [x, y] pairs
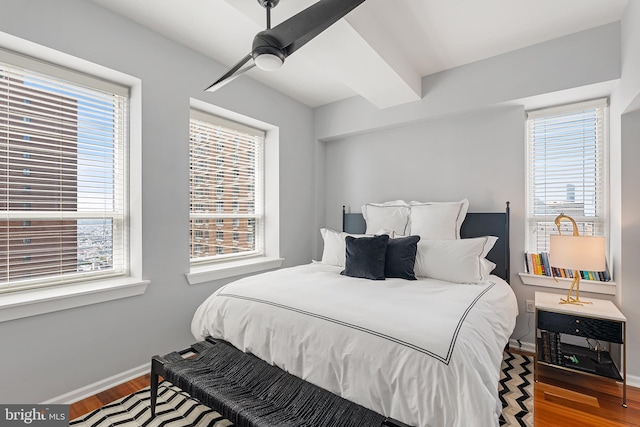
{"points": [[424, 352]]}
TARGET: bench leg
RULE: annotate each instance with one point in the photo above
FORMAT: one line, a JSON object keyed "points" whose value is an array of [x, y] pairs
{"points": [[157, 368]]}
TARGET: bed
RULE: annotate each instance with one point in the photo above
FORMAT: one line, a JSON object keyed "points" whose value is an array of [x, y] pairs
{"points": [[425, 352]]}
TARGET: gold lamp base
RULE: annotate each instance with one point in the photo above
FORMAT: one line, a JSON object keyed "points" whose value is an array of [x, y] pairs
{"points": [[575, 285], [565, 251]]}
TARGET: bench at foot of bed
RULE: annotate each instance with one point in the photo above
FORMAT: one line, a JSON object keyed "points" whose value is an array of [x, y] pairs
{"points": [[251, 393]]}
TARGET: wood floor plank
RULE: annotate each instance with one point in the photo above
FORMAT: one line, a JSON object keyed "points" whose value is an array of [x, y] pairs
{"points": [[570, 398], [558, 403], [92, 403]]}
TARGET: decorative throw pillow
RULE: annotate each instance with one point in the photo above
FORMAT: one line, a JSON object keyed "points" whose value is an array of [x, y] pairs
{"points": [[437, 220], [334, 249], [392, 216], [401, 257], [459, 261], [365, 257]]}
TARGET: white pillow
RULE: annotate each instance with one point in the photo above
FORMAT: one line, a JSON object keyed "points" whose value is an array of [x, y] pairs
{"points": [[392, 216], [335, 246], [458, 261], [487, 267], [437, 220]]}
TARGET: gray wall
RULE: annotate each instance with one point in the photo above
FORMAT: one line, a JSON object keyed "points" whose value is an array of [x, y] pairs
{"points": [[630, 242], [45, 356], [627, 99], [439, 160]]}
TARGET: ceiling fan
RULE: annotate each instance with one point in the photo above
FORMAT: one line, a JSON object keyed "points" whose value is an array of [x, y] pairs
{"points": [[273, 45]]}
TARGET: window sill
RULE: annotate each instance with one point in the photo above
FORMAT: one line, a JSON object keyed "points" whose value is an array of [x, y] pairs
{"points": [[47, 300], [216, 271], [607, 288]]}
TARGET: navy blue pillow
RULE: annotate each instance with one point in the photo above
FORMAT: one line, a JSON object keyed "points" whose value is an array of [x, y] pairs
{"points": [[365, 257], [401, 257]]}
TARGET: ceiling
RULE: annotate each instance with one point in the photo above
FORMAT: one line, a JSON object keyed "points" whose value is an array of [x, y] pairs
{"points": [[380, 51]]}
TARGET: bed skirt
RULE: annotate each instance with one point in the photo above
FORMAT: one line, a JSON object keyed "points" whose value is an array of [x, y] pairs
{"points": [[251, 393]]}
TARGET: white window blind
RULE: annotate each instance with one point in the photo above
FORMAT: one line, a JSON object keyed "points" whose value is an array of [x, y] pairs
{"points": [[226, 186], [62, 175], [566, 170]]}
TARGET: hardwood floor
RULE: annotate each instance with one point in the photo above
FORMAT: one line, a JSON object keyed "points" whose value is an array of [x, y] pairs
{"points": [[99, 400], [571, 400], [555, 404]]}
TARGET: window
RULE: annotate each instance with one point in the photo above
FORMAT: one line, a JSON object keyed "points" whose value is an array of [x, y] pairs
{"points": [[63, 145], [566, 170], [237, 152]]}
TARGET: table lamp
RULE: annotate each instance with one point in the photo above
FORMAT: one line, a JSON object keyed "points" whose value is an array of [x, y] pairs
{"points": [[576, 253]]}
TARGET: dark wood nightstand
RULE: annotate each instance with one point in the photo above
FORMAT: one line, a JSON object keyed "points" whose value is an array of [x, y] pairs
{"points": [[601, 324]]}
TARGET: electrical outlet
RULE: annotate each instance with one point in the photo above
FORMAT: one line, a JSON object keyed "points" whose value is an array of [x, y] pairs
{"points": [[531, 306]]}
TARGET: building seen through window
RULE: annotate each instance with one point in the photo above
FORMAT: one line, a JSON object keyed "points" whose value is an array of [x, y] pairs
{"points": [[225, 170], [62, 177]]}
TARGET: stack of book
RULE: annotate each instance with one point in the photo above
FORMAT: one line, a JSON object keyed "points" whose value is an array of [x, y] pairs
{"points": [[538, 263], [551, 347]]}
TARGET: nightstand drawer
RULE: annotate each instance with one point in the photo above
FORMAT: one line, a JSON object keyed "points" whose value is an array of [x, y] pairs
{"points": [[604, 330]]}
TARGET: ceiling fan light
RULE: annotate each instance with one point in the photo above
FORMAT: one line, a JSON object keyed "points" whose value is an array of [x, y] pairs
{"points": [[268, 61], [266, 56]]}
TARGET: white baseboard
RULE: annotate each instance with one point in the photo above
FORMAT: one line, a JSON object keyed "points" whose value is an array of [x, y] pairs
{"points": [[526, 346], [633, 381], [99, 386]]}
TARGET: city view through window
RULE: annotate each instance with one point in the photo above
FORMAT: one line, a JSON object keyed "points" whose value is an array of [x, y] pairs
{"points": [[566, 172], [226, 189], [61, 183]]}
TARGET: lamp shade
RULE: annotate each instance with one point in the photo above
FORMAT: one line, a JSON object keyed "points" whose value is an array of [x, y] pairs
{"points": [[577, 252]]}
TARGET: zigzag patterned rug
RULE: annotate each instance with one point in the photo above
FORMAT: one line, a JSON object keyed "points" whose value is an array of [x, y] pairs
{"points": [[516, 390], [176, 409]]}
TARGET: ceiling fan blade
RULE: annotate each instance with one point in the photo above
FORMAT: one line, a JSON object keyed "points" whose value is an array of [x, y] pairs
{"points": [[234, 72], [296, 31]]}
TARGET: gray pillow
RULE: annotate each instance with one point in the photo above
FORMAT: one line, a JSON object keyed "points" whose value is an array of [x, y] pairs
{"points": [[365, 257], [401, 257]]}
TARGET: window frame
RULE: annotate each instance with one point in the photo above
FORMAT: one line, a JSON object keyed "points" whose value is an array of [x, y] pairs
{"points": [[270, 259], [600, 219], [93, 90], [39, 301]]}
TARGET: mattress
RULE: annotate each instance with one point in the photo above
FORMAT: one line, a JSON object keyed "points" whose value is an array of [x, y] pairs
{"points": [[424, 352]]}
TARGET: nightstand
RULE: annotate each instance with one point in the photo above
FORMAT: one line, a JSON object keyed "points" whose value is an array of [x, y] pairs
{"points": [[601, 324]]}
